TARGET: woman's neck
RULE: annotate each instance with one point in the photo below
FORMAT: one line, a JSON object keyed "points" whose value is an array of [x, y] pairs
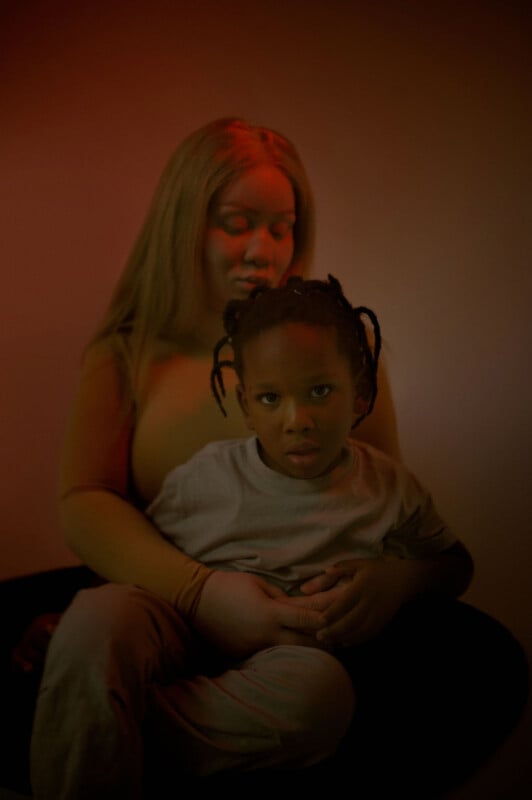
{"points": [[201, 340]]}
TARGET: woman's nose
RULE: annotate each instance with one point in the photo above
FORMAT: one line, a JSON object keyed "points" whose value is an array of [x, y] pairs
{"points": [[259, 250]]}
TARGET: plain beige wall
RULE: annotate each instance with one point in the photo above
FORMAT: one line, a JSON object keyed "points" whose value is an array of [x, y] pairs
{"points": [[414, 121]]}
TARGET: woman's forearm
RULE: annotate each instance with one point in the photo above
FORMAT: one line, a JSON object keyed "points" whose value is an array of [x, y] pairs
{"points": [[120, 544]]}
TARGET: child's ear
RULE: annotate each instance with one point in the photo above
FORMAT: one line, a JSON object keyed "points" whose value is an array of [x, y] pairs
{"points": [[243, 403], [360, 408]]}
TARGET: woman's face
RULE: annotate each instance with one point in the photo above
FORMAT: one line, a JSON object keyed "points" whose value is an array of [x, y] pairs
{"points": [[250, 235]]}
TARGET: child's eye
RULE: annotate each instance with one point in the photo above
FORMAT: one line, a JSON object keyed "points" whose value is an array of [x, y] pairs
{"points": [[320, 391], [268, 398]]}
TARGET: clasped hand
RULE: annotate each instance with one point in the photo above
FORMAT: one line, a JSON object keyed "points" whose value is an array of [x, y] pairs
{"points": [[241, 613], [358, 597], [347, 604]]}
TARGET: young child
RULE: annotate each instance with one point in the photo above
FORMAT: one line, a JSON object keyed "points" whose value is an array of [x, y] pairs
{"points": [[302, 495]]}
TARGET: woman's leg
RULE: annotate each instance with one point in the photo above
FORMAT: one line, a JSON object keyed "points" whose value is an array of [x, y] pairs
{"points": [[285, 707], [437, 693], [122, 667], [110, 644]]}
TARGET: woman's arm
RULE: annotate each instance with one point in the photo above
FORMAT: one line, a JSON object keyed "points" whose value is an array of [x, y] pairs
{"points": [[101, 525], [238, 612]]}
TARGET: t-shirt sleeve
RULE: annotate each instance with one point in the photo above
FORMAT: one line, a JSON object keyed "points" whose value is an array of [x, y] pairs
{"points": [[420, 530]]}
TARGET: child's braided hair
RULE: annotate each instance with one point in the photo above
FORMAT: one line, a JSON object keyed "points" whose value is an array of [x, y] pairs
{"points": [[313, 302]]}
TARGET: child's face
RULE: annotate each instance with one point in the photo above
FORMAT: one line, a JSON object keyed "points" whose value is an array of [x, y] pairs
{"points": [[250, 236], [299, 397]]}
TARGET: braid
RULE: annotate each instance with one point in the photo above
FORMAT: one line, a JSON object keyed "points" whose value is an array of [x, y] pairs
{"points": [[217, 381], [314, 302], [371, 358]]}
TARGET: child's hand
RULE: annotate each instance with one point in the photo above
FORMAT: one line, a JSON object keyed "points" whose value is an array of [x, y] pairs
{"points": [[241, 613], [359, 597]]}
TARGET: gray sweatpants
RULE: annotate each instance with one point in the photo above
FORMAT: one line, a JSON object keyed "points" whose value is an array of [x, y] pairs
{"points": [[121, 670]]}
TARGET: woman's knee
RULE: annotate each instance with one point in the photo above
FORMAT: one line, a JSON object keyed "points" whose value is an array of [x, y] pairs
{"points": [[315, 695], [120, 622], [94, 615]]}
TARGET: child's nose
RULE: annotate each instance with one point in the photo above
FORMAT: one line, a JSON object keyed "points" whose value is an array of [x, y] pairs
{"points": [[297, 417]]}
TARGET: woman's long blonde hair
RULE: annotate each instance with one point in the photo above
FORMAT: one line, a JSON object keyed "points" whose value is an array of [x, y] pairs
{"points": [[160, 290]]}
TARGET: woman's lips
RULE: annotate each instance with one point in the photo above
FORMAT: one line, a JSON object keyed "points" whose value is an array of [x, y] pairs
{"points": [[247, 283]]}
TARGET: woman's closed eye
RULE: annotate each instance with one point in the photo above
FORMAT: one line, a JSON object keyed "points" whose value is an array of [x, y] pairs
{"points": [[281, 229], [238, 222], [235, 224]]}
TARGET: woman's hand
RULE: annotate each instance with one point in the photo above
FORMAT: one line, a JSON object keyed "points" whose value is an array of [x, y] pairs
{"points": [[241, 613], [359, 597]]}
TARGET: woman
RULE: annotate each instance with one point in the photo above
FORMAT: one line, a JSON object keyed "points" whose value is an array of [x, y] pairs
{"points": [[233, 208]]}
